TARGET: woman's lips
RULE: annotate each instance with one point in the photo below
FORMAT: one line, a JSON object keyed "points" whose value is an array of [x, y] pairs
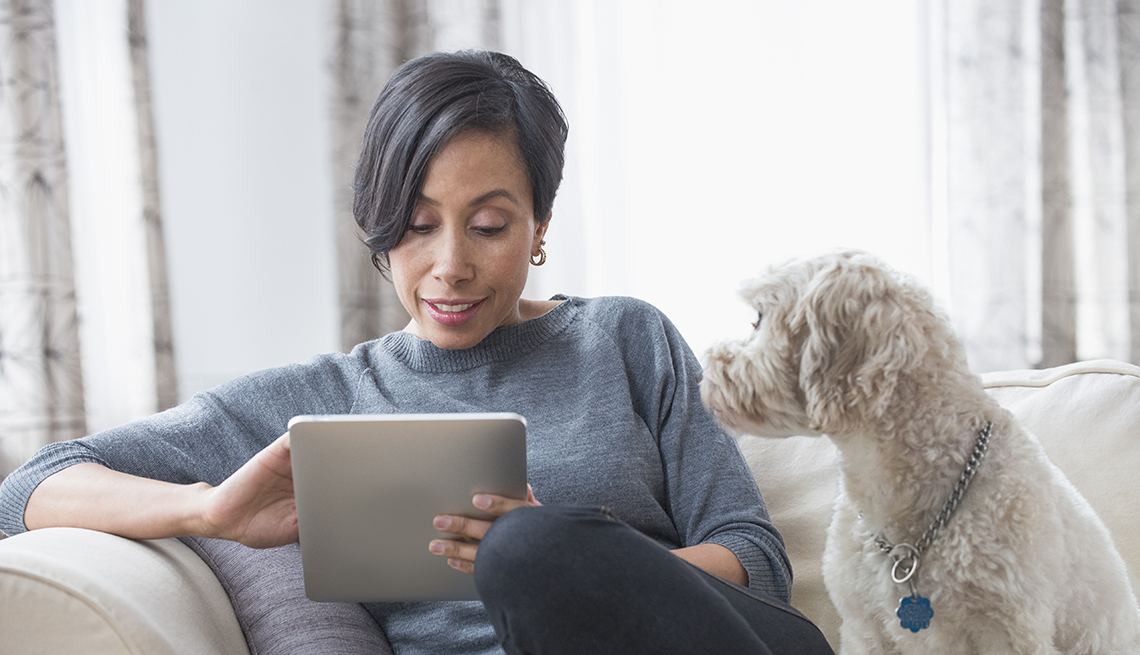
{"points": [[452, 312]]}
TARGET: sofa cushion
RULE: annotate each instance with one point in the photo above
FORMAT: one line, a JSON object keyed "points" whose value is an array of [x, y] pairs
{"points": [[1087, 416], [267, 590], [799, 481]]}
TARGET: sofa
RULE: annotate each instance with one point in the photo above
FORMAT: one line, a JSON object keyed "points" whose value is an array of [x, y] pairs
{"points": [[66, 590]]}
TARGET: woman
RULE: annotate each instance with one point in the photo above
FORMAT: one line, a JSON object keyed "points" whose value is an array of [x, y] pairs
{"points": [[461, 160]]}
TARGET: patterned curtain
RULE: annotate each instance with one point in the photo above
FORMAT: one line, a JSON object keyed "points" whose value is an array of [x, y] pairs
{"points": [[371, 38], [1041, 100], [111, 293], [41, 388]]}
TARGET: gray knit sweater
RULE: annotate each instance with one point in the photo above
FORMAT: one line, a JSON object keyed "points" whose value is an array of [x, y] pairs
{"points": [[609, 391]]}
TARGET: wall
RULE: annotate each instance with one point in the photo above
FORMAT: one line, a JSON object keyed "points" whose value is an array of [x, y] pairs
{"points": [[240, 104]]}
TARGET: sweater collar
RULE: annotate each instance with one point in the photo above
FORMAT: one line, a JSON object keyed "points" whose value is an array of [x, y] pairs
{"points": [[502, 344]]}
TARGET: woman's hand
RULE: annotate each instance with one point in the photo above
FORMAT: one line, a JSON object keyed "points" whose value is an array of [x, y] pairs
{"points": [[255, 505], [460, 554]]}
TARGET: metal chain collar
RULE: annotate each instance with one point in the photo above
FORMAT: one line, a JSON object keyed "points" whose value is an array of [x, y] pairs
{"points": [[908, 559]]}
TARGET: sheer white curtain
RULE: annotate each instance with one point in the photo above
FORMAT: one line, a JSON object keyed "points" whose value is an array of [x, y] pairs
{"points": [[988, 146], [709, 140], [1039, 102]]}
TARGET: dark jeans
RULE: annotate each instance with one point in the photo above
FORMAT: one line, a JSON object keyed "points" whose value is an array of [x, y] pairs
{"points": [[577, 580]]}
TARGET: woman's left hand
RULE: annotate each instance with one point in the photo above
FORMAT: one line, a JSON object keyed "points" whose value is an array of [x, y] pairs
{"points": [[460, 554]]}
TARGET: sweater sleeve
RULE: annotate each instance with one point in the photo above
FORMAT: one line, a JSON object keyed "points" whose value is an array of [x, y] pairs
{"points": [[203, 440], [712, 495]]}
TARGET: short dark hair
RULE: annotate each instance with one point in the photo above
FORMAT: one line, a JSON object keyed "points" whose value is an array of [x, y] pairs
{"points": [[425, 103]]}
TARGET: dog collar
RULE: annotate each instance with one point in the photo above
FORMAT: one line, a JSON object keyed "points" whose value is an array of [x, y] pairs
{"points": [[914, 611]]}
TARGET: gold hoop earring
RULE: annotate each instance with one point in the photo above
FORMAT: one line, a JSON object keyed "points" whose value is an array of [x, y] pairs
{"points": [[541, 257]]}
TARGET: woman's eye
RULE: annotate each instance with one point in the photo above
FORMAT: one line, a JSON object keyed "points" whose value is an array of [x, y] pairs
{"points": [[419, 229], [759, 318], [489, 231]]}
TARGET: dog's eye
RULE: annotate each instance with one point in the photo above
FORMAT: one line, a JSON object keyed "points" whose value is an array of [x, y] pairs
{"points": [[759, 317]]}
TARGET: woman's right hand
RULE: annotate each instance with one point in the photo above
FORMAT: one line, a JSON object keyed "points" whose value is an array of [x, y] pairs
{"points": [[255, 505]]}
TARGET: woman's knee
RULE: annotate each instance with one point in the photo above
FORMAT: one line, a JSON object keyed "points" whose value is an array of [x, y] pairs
{"points": [[536, 545]]}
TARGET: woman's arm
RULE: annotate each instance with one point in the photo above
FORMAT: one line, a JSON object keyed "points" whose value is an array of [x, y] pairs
{"points": [[254, 506], [715, 502], [95, 497], [715, 559]]}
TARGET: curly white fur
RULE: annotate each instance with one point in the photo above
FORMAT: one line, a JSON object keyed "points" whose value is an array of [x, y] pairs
{"points": [[846, 347]]}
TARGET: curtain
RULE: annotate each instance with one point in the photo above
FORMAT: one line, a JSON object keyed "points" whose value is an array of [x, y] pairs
{"points": [[120, 270], [161, 326], [1040, 100], [370, 39], [81, 247], [41, 388]]}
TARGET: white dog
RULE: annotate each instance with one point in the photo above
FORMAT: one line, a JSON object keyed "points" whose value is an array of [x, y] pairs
{"points": [[845, 347]]}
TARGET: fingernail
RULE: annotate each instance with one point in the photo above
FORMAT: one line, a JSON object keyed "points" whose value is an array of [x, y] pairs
{"points": [[482, 502], [441, 522], [436, 547]]}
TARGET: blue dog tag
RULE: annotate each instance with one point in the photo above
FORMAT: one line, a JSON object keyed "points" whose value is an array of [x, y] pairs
{"points": [[915, 613]]}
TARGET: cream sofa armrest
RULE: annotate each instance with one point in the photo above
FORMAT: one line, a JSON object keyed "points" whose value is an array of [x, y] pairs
{"points": [[66, 590]]}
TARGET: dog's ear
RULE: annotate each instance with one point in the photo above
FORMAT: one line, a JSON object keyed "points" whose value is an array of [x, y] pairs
{"points": [[862, 328]]}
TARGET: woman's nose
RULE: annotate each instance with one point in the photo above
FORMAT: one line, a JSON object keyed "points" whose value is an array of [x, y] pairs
{"points": [[453, 259]]}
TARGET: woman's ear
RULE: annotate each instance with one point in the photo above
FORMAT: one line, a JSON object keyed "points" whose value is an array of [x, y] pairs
{"points": [[540, 234]]}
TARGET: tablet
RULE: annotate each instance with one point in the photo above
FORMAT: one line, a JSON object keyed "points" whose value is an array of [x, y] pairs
{"points": [[368, 487]]}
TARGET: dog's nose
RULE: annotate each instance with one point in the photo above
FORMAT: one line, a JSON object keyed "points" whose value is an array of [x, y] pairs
{"points": [[700, 376]]}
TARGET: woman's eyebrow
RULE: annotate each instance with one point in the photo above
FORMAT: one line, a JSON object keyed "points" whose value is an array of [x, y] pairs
{"points": [[497, 193]]}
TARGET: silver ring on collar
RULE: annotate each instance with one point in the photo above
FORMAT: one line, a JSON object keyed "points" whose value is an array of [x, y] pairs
{"points": [[907, 560]]}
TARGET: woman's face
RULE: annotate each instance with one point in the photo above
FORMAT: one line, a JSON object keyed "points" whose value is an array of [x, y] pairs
{"points": [[461, 268]]}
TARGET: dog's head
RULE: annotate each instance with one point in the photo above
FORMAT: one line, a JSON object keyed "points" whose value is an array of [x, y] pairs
{"points": [[834, 338]]}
